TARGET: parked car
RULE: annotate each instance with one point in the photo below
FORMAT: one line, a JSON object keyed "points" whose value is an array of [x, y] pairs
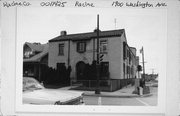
{"points": [[36, 93]]}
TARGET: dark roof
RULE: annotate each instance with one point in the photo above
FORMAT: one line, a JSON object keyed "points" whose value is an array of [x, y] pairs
{"points": [[90, 35], [37, 57], [35, 46]]}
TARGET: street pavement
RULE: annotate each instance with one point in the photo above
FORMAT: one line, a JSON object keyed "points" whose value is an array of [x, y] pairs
{"points": [[122, 97], [114, 101], [148, 100], [126, 92]]}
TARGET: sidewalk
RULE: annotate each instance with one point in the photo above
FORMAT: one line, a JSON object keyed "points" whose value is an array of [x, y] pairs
{"points": [[125, 92]]}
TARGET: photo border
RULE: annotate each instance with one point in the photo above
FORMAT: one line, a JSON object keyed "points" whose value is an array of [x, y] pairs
{"points": [[160, 108], [19, 108]]}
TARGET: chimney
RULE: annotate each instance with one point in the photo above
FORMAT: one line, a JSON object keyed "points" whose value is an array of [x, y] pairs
{"points": [[95, 30], [36, 43], [63, 33]]}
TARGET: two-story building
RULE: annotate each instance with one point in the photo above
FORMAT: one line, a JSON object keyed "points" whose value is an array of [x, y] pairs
{"points": [[76, 50]]}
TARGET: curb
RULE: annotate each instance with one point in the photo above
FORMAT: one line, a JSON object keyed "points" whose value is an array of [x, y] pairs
{"points": [[146, 95], [118, 96]]}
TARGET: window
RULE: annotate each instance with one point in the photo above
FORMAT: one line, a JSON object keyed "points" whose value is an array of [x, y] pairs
{"points": [[127, 70], [132, 70], [81, 47], [103, 46], [104, 70], [130, 57], [61, 49], [127, 53], [124, 50], [124, 70]]}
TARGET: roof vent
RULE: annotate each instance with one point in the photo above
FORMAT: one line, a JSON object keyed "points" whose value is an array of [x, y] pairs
{"points": [[63, 33]]}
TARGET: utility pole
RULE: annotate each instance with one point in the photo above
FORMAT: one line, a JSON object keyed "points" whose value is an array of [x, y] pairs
{"points": [[142, 51], [143, 62], [97, 91]]}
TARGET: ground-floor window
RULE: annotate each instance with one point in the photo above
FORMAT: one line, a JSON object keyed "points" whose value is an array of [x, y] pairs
{"points": [[104, 70]]}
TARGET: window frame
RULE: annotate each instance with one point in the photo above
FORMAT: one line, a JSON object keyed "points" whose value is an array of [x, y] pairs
{"points": [[61, 49], [81, 49], [124, 51], [103, 43]]}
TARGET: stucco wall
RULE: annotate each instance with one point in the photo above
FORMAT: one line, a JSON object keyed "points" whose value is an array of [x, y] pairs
{"points": [[75, 57], [114, 55], [132, 63], [123, 39], [54, 56]]}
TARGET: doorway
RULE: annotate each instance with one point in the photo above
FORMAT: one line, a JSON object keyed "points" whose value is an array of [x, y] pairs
{"points": [[80, 70]]}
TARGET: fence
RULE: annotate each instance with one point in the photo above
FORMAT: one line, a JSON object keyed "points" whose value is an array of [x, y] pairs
{"points": [[105, 85]]}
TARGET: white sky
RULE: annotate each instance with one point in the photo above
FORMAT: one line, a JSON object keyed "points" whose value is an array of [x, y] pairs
{"points": [[145, 28]]}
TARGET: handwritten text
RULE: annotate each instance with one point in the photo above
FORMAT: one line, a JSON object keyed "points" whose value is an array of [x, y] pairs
{"points": [[16, 3], [138, 4], [53, 4], [84, 4], [160, 4], [118, 4]]}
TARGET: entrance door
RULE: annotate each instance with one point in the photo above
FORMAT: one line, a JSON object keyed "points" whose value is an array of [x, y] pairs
{"points": [[80, 70]]}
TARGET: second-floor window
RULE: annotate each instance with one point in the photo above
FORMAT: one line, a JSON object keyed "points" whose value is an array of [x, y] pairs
{"points": [[103, 46], [61, 49], [124, 51], [81, 47]]}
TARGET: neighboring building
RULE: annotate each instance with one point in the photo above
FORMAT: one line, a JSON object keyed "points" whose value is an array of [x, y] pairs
{"points": [[35, 57], [76, 50]]}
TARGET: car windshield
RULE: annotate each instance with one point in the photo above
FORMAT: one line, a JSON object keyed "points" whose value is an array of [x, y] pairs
{"points": [[30, 84]]}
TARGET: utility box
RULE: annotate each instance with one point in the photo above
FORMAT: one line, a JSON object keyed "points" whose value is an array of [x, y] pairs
{"points": [[140, 91], [146, 90]]}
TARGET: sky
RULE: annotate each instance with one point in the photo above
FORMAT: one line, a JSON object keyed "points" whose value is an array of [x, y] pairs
{"points": [[145, 28]]}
